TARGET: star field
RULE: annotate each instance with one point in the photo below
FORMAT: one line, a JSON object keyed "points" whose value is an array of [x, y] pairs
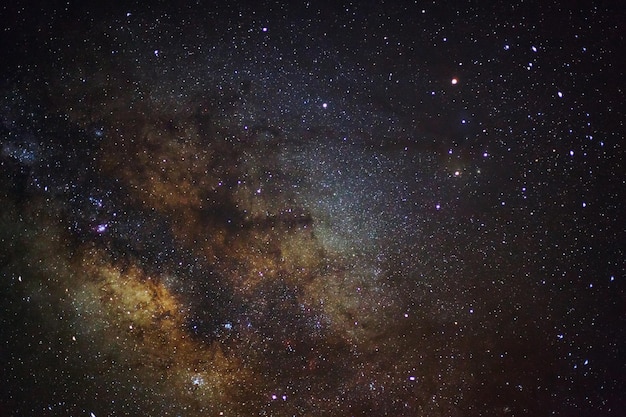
{"points": [[312, 209]]}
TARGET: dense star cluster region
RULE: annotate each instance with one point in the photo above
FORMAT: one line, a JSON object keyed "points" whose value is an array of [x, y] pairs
{"points": [[312, 209]]}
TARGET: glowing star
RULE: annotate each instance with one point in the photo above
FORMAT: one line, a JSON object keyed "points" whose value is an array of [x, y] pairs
{"points": [[454, 81], [197, 380]]}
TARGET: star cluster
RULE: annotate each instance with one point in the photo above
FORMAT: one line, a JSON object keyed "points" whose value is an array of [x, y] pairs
{"points": [[307, 209]]}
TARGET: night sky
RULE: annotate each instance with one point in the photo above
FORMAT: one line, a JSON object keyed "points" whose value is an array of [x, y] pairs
{"points": [[323, 208]]}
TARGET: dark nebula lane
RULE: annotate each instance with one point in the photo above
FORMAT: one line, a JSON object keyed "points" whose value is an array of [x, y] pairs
{"points": [[311, 209]]}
